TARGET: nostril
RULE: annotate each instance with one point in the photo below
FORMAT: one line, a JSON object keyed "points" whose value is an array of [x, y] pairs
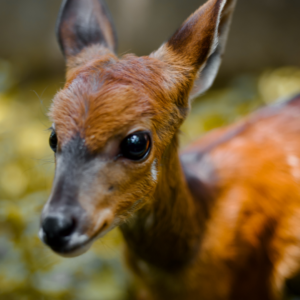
{"points": [[58, 227], [68, 227]]}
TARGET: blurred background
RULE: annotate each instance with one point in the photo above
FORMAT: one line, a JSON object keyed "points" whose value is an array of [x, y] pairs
{"points": [[261, 65]]}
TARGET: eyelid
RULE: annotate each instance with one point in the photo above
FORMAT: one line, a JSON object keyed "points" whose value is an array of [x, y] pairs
{"points": [[137, 130]]}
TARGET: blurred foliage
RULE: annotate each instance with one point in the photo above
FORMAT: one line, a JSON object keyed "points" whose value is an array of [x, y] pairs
{"points": [[241, 96], [29, 270]]}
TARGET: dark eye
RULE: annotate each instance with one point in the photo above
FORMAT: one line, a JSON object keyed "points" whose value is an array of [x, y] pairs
{"points": [[53, 141], [136, 146]]}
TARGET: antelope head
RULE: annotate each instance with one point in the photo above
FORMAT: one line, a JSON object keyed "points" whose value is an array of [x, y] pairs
{"points": [[116, 118]]}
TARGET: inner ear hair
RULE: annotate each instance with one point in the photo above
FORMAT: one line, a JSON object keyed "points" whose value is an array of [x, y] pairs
{"points": [[198, 45], [82, 23]]}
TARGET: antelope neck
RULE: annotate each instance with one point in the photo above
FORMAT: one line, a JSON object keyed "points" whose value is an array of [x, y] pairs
{"points": [[166, 233]]}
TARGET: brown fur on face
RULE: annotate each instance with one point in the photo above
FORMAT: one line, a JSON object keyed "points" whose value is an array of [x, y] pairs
{"points": [[104, 88], [99, 89]]}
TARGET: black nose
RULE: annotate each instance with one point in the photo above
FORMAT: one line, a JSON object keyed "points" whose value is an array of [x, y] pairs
{"points": [[57, 230]]}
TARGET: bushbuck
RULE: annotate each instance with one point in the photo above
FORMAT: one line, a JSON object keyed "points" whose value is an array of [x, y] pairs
{"points": [[221, 220]]}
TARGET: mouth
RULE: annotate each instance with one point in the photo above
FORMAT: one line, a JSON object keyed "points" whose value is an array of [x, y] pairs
{"points": [[75, 251], [76, 244], [72, 246]]}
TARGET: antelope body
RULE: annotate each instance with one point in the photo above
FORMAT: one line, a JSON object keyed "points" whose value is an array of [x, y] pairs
{"points": [[218, 222]]}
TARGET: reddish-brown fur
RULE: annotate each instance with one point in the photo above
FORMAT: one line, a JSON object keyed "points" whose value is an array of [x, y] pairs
{"points": [[257, 200], [222, 222]]}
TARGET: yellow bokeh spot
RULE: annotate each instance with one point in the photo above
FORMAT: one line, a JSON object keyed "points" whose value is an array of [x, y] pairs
{"points": [[32, 140], [279, 83], [4, 111], [13, 180]]}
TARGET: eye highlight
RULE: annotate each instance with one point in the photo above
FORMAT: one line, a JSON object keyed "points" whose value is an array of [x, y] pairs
{"points": [[53, 141], [136, 146]]}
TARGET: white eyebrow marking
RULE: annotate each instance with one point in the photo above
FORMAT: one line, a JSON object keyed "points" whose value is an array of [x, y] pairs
{"points": [[154, 170]]}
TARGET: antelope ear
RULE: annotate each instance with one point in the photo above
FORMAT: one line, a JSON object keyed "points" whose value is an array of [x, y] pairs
{"points": [[209, 72], [82, 23], [196, 49]]}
